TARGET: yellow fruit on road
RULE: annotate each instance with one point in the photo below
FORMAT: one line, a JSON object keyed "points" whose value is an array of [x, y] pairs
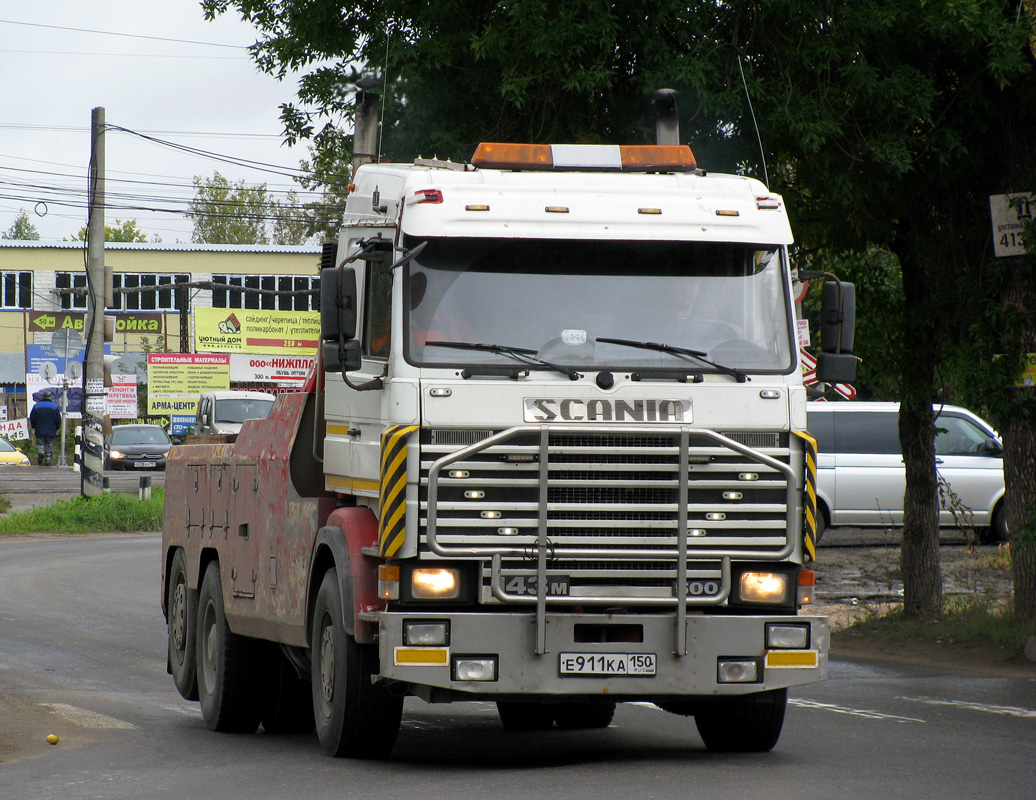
{"points": [[53, 739]]}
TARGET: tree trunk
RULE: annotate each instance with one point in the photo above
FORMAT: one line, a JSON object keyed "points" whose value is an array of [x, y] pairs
{"points": [[919, 557], [1013, 144]]}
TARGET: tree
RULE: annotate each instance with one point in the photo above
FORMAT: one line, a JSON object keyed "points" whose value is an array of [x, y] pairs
{"points": [[122, 232], [291, 224], [22, 230], [887, 120], [229, 213], [885, 125]]}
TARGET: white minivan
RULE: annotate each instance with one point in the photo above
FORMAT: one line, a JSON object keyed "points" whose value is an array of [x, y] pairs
{"points": [[860, 473], [224, 412]]}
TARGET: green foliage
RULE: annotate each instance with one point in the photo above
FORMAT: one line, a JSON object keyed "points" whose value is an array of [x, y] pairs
{"points": [[122, 232], [228, 213], [108, 513], [22, 229]]}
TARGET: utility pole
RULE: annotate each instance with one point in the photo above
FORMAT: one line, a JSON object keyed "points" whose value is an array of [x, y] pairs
{"points": [[93, 378]]}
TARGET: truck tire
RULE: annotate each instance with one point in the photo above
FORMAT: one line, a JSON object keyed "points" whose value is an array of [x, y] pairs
{"points": [[354, 717], [286, 704], [182, 610], [526, 716], [749, 724], [227, 678], [585, 716]]}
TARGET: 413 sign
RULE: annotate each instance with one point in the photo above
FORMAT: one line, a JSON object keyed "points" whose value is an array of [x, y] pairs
{"points": [[1010, 214]]}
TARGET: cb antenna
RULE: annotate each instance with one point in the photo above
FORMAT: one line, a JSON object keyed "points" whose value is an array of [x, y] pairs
{"points": [[762, 155]]}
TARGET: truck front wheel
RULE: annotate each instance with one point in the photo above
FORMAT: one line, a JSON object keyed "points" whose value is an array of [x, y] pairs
{"points": [[749, 724], [354, 717], [227, 682], [182, 607]]}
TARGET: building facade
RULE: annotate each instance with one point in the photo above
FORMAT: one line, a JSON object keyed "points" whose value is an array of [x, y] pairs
{"points": [[43, 295]]}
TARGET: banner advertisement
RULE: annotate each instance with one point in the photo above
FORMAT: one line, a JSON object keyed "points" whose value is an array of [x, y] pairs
{"points": [[248, 368], [177, 380], [15, 429], [241, 330], [121, 397]]}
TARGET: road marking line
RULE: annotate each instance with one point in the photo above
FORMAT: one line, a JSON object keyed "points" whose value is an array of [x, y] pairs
{"points": [[1011, 711], [856, 712], [87, 719]]}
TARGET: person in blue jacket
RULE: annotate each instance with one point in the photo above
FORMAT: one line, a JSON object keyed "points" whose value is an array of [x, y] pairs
{"points": [[45, 421]]}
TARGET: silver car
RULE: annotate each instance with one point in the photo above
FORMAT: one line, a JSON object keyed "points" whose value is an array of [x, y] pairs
{"points": [[861, 477]]}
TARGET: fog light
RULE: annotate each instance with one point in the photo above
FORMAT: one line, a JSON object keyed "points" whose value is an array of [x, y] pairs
{"points": [[388, 581], [426, 634], [781, 636], [474, 668], [763, 587], [434, 583], [739, 670]]}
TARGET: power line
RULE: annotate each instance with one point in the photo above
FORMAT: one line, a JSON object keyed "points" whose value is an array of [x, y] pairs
{"points": [[124, 35]]}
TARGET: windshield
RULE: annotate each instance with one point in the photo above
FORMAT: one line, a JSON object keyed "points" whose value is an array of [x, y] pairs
{"points": [[239, 409], [557, 299], [152, 435]]}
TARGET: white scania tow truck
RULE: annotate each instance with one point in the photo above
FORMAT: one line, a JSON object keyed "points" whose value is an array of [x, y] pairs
{"points": [[554, 457]]}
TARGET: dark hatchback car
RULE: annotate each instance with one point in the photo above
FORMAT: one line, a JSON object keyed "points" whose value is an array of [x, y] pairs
{"points": [[136, 447]]}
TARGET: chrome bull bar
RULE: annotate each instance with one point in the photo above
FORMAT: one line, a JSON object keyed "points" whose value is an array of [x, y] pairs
{"points": [[544, 548]]}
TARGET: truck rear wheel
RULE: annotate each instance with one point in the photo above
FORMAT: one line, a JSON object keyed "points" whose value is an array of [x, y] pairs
{"points": [[526, 716], [227, 677], [749, 724], [182, 610], [354, 717]]}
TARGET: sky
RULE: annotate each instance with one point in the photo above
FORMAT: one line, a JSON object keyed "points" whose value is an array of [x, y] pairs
{"points": [[60, 60]]}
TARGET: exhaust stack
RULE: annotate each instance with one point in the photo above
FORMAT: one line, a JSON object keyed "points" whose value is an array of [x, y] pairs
{"points": [[667, 120]]}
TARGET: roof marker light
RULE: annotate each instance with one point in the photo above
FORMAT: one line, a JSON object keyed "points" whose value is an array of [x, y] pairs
{"points": [[585, 157]]}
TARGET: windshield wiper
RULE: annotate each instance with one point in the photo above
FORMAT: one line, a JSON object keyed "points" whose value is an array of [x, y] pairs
{"points": [[523, 354], [682, 352]]}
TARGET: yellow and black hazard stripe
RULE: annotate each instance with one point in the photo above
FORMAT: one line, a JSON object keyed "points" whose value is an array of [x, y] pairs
{"points": [[392, 489], [809, 497]]}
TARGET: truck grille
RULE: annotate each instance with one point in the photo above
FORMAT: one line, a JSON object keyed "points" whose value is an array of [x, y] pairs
{"points": [[607, 504]]}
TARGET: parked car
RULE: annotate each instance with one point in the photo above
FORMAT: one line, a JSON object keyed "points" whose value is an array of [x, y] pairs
{"points": [[226, 411], [11, 456], [860, 472], [136, 447]]}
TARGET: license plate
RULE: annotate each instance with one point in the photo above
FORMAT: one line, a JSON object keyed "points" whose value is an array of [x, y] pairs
{"points": [[147, 464], [609, 664]]}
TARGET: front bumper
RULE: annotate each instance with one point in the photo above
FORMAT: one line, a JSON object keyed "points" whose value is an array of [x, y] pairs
{"points": [[510, 637]]}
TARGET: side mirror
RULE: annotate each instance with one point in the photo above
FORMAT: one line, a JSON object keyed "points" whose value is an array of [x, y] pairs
{"points": [[339, 346], [837, 317], [337, 303], [993, 447], [837, 328]]}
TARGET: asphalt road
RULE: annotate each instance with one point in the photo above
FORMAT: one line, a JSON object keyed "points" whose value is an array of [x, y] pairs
{"points": [[82, 655]]}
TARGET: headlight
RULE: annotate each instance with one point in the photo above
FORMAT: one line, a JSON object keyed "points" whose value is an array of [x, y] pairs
{"points": [[763, 587], [117, 454], [435, 583]]}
